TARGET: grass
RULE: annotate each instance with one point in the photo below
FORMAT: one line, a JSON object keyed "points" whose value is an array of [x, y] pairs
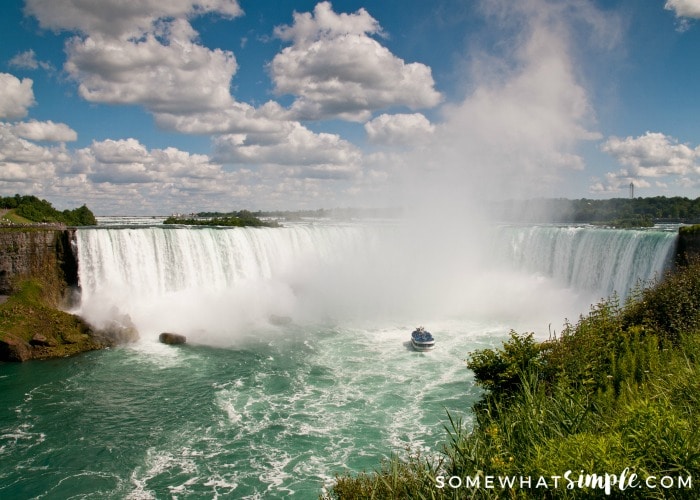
{"points": [[11, 216], [618, 392], [31, 310]]}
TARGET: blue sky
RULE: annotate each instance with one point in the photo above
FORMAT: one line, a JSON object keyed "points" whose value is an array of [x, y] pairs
{"points": [[155, 107]]}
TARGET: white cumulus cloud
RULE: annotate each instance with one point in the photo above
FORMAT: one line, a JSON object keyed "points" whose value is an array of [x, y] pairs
{"points": [[16, 96], [179, 76], [25, 166], [45, 131], [238, 117], [28, 60], [335, 68], [651, 156], [143, 53], [119, 18], [400, 129], [312, 155], [684, 8]]}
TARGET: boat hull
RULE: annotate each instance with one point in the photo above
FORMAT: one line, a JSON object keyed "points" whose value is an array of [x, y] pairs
{"points": [[423, 346]]}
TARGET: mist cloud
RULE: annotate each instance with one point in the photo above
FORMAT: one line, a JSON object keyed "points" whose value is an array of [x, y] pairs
{"points": [[520, 125]]}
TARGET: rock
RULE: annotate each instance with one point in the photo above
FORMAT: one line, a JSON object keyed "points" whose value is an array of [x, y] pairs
{"points": [[172, 338], [14, 349], [40, 340], [280, 320], [120, 329]]}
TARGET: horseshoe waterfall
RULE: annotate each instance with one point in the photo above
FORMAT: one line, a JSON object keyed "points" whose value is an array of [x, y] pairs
{"points": [[298, 363]]}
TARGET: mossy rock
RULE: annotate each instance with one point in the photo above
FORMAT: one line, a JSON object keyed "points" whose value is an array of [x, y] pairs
{"points": [[27, 316]]}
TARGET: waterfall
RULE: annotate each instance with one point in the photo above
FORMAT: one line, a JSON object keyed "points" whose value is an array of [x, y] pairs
{"points": [[158, 260], [210, 282], [215, 280], [586, 258]]}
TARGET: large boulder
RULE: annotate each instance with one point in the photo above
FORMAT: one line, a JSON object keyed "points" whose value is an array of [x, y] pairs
{"points": [[40, 340], [14, 349], [172, 338], [118, 330]]}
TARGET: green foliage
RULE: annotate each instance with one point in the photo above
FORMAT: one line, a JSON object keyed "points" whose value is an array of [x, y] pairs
{"points": [[32, 209], [619, 212], [617, 390], [500, 371], [396, 480], [240, 219], [688, 230], [672, 308], [32, 310], [81, 216], [631, 222]]}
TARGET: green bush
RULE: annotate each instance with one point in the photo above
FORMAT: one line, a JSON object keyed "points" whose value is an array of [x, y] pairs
{"points": [[499, 370]]}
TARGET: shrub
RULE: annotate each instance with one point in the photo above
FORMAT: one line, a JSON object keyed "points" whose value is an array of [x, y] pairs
{"points": [[500, 370]]}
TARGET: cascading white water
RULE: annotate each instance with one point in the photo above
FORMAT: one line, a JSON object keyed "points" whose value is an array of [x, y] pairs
{"points": [[214, 283], [600, 260], [160, 260]]}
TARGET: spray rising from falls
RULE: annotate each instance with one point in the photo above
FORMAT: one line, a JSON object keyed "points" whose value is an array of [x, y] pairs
{"points": [[214, 283]]}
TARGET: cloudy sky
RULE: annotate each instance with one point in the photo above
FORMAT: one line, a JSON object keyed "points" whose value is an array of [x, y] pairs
{"points": [[153, 107]]}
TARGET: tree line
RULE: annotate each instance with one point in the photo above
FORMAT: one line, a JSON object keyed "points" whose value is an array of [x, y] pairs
{"points": [[241, 218], [33, 209], [655, 209]]}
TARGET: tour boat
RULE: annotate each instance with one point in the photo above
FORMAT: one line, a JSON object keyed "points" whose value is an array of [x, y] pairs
{"points": [[422, 340]]}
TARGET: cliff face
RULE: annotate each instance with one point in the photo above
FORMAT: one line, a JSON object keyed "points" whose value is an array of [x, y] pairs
{"points": [[43, 253], [37, 265]]}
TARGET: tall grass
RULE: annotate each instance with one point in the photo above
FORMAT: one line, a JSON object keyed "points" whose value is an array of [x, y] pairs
{"points": [[617, 392]]}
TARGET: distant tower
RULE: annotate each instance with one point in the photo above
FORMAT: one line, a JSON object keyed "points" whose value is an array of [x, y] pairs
{"points": [[631, 190]]}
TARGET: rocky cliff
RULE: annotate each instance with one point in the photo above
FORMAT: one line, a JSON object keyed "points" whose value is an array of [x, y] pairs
{"points": [[39, 252], [37, 268]]}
